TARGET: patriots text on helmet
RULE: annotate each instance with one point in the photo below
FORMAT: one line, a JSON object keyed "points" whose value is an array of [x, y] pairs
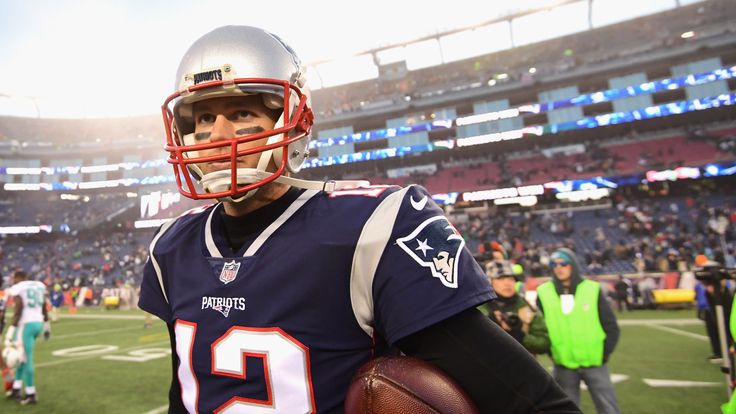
{"points": [[210, 75]]}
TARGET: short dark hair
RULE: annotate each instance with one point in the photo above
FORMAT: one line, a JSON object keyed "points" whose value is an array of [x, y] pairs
{"points": [[20, 274]]}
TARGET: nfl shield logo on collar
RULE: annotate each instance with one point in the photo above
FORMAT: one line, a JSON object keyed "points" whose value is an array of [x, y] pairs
{"points": [[229, 272]]}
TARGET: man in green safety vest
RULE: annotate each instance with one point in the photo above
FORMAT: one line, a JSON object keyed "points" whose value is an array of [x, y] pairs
{"points": [[582, 330]]}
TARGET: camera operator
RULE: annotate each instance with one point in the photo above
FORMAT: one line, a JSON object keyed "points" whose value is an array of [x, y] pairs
{"points": [[720, 297], [706, 314], [718, 291], [512, 312]]}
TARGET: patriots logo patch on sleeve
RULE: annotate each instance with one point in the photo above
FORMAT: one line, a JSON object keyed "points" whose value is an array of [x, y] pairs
{"points": [[435, 244]]}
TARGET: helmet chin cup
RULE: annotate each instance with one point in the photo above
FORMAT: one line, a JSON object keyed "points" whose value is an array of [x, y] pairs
{"points": [[220, 181]]}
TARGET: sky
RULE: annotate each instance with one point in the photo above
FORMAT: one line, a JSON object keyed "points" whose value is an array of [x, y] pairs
{"points": [[88, 59]]}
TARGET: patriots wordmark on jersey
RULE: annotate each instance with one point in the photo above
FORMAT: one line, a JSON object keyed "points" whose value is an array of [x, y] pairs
{"points": [[282, 325]]}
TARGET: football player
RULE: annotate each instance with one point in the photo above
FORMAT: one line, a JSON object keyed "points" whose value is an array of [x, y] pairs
{"points": [[30, 319], [280, 290], [5, 371]]}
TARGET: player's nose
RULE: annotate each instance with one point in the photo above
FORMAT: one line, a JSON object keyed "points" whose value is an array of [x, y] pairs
{"points": [[222, 129]]}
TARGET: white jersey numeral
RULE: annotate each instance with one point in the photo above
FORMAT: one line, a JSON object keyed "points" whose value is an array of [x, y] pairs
{"points": [[285, 362]]}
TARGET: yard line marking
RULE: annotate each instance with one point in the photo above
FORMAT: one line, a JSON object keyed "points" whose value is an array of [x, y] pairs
{"points": [[680, 332], [615, 378], [91, 318], [158, 410], [98, 316], [639, 322], [94, 332], [675, 383], [97, 355]]}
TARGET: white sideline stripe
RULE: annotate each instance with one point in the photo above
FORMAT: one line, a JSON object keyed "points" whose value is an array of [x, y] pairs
{"points": [[639, 322], [158, 410], [63, 360], [675, 383], [93, 333], [679, 332]]}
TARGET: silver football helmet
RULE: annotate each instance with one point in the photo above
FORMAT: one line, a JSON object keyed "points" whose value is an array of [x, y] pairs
{"points": [[238, 61]]}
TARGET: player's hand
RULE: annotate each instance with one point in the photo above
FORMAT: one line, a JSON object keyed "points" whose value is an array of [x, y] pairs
{"points": [[46, 330]]}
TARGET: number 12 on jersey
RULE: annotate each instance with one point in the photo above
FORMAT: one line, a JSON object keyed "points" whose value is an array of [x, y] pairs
{"points": [[288, 378]]}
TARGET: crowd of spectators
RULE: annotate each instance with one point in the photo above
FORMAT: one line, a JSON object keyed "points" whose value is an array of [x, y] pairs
{"points": [[46, 208], [725, 141], [635, 236], [93, 259]]}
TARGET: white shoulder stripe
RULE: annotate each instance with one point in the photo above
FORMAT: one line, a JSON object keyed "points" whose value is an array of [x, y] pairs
{"points": [[372, 242], [153, 260], [296, 205], [209, 242]]}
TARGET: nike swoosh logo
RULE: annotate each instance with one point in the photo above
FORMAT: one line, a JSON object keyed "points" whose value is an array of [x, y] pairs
{"points": [[418, 205]]}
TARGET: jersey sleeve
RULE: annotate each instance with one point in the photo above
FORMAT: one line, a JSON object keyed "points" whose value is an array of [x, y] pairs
{"points": [[12, 291], [425, 273], [153, 298]]}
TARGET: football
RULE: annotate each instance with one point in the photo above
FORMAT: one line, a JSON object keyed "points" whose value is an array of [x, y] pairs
{"points": [[12, 355], [402, 384]]}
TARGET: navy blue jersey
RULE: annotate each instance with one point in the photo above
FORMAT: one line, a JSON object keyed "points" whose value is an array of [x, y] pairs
{"points": [[282, 325]]}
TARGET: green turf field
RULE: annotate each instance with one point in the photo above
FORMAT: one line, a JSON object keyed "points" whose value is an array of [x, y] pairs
{"points": [[674, 350], [101, 361]]}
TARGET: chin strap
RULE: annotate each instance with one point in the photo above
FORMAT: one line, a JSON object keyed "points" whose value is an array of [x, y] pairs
{"points": [[326, 186], [220, 181]]}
